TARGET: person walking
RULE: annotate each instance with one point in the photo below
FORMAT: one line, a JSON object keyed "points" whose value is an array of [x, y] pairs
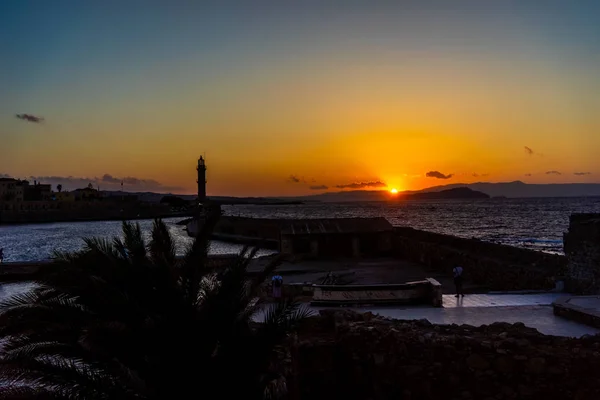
{"points": [[277, 283], [457, 271]]}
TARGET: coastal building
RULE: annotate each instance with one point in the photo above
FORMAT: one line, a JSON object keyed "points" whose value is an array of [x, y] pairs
{"points": [[11, 189], [87, 194], [64, 196], [337, 237], [37, 191]]}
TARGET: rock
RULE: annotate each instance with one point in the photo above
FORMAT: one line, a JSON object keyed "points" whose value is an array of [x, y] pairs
{"points": [[475, 361], [507, 391], [536, 365], [378, 359], [504, 365], [413, 370], [554, 371]]}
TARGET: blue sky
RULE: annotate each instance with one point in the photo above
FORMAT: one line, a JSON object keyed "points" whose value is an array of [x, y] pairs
{"points": [[115, 79]]}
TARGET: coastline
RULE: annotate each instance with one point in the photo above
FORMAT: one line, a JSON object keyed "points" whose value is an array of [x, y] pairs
{"points": [[97, 219]]}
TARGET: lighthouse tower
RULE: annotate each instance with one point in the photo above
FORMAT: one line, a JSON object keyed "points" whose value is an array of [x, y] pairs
{"points": [[201, 168]]}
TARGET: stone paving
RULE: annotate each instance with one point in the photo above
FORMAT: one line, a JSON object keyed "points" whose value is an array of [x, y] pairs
{"points": [[534, 310], [500, 300]]}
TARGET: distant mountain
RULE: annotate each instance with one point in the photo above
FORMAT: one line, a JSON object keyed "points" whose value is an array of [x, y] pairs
{"points": [[455, 193], [502, 189], [521, 189]]}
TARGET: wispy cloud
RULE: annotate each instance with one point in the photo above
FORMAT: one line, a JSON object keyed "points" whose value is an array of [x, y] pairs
{"points": [[581, 173], [361, 185], [296, 179], [476, 175], [30, 118], [106, 182], [553, 172], [529, 150], [438, 175], [527, 174], [319, 187]]}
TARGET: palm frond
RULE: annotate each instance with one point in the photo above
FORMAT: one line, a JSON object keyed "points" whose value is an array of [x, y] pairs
{"points": [[162, 245], [30, 393], [284, 315], [195, 262], [134, 241], [122, 320]]}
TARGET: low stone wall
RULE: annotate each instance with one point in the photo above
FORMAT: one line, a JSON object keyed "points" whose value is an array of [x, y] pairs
{"points": [[421, 292], [579, 309], [344, 355], [497, 267], [582, 247]]}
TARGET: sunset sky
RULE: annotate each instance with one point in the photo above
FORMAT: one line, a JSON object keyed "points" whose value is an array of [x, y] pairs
{"points": [[299, 97]]}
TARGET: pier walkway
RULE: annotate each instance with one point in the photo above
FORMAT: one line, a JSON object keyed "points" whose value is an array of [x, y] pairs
{"points": [[533, 310]]}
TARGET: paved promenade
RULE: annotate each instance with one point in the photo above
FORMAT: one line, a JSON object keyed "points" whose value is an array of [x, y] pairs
{"points": [[534, 310]]}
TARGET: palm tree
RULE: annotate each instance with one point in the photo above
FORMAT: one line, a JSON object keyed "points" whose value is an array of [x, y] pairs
{"points": [[59, 188], [123, 320]]}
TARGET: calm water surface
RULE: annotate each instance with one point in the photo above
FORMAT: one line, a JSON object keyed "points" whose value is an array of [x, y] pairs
{"points": [[37, 242], [530, 223]]}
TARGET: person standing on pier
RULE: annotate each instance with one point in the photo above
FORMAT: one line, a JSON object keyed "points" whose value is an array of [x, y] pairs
{"points": [[458, 280], [277, 283], [1, 255]]}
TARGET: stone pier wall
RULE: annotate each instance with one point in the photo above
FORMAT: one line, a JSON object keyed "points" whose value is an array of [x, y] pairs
{"points": [[494, 266], [582, 248]]}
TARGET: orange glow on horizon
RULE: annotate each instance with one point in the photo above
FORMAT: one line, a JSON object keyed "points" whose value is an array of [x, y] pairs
{"points": [[394, 191]]}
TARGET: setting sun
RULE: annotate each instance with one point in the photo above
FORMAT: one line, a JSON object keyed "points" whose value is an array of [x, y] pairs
{"points": [[394, 190]]}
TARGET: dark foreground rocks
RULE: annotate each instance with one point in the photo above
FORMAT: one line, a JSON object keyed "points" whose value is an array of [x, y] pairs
{"points": [[344, 355]]}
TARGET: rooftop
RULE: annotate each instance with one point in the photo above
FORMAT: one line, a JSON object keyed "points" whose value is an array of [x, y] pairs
{"points": [[336, 225]]}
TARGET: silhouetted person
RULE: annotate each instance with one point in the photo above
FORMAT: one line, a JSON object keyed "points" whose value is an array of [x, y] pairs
{"points": [[1, 255], [458, 280], [277, 283]]}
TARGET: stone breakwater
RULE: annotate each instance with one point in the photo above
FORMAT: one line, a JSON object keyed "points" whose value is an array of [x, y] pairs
{"points": [[347, 355], [494, 266], [582, 247]]}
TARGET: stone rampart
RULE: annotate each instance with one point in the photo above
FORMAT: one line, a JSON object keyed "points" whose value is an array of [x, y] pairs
{"points": [[582, 248], [495, 266], [344, 355]]}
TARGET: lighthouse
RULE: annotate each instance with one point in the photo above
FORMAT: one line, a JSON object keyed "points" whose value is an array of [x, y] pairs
{"points": [[201, 168]]}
